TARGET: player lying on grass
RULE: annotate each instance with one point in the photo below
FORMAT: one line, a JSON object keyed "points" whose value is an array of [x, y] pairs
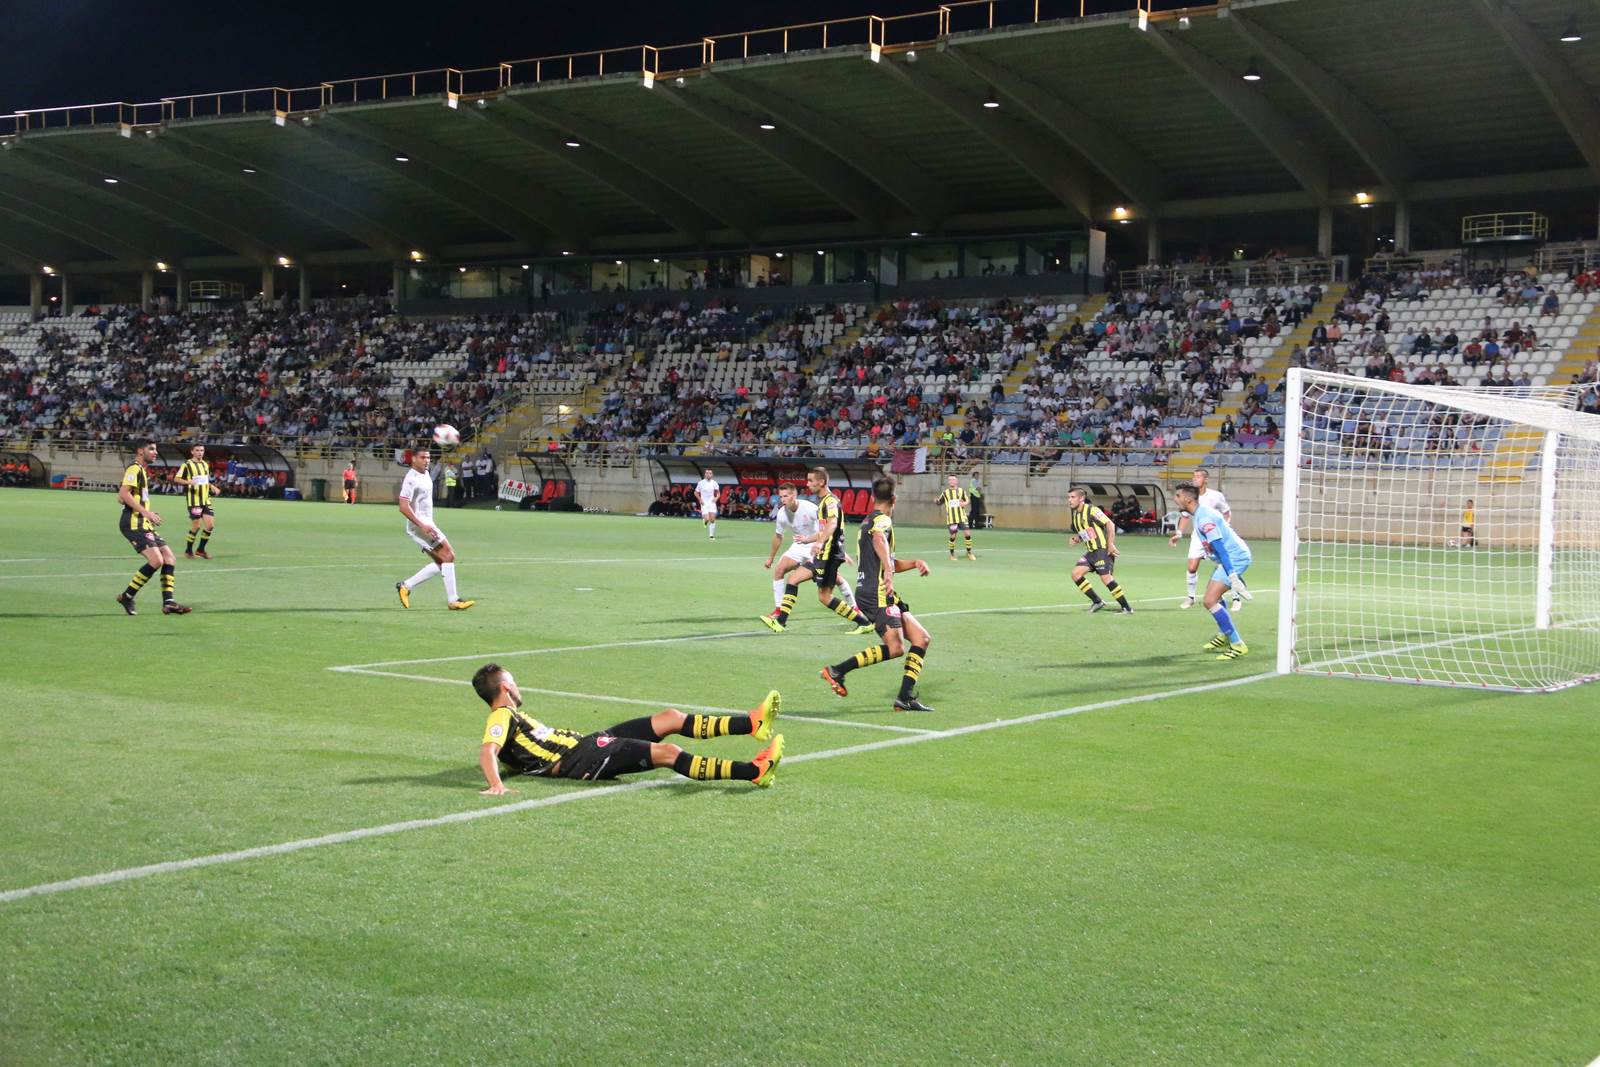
{"points": [[1232, 556], [527, 746]]}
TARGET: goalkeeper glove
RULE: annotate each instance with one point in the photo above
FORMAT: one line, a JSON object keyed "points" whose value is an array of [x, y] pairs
{"points": [[1239, 588]]}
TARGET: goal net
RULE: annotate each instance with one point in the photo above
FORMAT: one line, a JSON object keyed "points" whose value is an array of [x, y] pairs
{"points": [[1438, 534]]}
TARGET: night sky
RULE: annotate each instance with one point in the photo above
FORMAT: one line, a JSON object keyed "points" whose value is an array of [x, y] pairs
{"points": [[55, 53]]}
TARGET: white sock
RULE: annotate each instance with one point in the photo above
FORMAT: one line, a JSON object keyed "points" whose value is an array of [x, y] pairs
{"points": [[712, 527], [845, 593], [449, 572], [777, 592], [1194, 578], [421, 576]]}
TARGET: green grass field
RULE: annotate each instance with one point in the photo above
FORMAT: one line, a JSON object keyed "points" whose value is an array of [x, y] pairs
{"points": [[1289, 870]]}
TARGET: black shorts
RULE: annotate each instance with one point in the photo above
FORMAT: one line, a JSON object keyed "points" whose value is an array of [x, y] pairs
{"points": [[879, 617], [826, 571], [143, 539], [1467, 530], [197, 510], [1098, 560], [349, 485], [954, 526], [604, 754]]}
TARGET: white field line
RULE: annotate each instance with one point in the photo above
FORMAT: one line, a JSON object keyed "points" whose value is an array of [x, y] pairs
{"points": [[486, 656], [658, 704], [397, 567], [130, 873]]}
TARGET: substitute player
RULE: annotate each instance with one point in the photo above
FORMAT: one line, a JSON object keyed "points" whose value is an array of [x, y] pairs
{"points": [[138, 524], [1469, 525], [707, 490], [1094, 529], [827, 541], [1213, 499], [957, 507], [195, 477], [528, 746], [902, 634], [1232, 557], [416, 504]]}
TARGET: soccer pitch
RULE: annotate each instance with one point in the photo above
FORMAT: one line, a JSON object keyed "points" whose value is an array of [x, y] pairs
{"points": [[1072, 861]]}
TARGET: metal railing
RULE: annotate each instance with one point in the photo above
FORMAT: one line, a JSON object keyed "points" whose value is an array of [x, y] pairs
{"points": [[1311, 271], [1504, 226], [1574, 257], [876, 33]]}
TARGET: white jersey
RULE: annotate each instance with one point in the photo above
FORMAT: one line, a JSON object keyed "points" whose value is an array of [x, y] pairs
{"points": [[802, 524], [707, 489], [418, 488]]}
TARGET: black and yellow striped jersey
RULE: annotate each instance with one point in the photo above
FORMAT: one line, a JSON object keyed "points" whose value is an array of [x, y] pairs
{"points": [[869, 569], [1090, 526], [828, 510], [136, 479], [527, 744], [198, 473], [957, 506]]}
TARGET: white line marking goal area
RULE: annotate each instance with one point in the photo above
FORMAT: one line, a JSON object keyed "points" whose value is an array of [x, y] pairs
{"points": [[581, 793]]}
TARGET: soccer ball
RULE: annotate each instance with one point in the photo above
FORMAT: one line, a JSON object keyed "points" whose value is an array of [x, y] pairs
{"points": [[446, 436]]}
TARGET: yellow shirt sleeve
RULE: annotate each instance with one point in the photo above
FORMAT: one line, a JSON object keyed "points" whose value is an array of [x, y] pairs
{"points": [[131, 475], [1099, 516], [882, 524], [498, 728]]}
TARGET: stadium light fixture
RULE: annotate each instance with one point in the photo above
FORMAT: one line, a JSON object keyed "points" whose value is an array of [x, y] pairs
{"points": [[1364, 199], [916, 233], [1183, 22], [462, 270], [110, 181], [618, 262], [1571, 35], [1253, 72], [401, 157], [574, 144], [778, 255], [524, 266], [416, 255], [991, 101], [48, 270], [653, 260], [284, 261], [682, 81], [768, 126], [160, 266], [1119, 212], [249, 170], [566, 253]]}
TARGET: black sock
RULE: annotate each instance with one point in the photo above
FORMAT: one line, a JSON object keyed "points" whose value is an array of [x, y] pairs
{"points": [[865, 658], [704, 726], [908, 681], [167, 581], [710, 769], [200, 543], [1115, 590], [790, 594], [188, 542], [1088, 590], [138, 581]]}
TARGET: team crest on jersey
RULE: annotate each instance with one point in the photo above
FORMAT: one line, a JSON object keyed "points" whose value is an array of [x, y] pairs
{"points": [[1209, 527], [602, 741]]}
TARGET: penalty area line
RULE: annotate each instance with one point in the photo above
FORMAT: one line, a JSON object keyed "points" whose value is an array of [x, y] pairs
{"points": [[129, 874]]}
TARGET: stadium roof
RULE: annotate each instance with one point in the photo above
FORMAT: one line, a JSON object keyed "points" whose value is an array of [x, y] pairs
{"points": [[878, 127]]}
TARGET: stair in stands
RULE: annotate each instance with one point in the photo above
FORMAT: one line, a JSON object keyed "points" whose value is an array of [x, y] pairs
{"points": [[1194, 450], [1087, 310], [1517, 447]]}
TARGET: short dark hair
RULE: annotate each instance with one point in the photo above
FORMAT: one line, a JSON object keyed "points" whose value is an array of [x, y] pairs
{"points": [[1192, 490], [883, 489], [820, 472], [1083, 491], [487, 681]]}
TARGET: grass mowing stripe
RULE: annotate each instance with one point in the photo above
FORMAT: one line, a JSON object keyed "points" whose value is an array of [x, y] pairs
{"points": [[510, 562], [173, 866]]}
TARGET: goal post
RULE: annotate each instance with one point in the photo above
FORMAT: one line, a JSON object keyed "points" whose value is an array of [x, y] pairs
{"points": [[1439, 534]]}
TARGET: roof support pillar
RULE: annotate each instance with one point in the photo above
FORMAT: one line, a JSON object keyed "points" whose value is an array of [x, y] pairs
{"points": [[1152, 236], [1324, 230], [269, 292], [1402, 226], [36, 296], [183, 289], [66, 294], [305, 287], [399, 284], [147, 290]]}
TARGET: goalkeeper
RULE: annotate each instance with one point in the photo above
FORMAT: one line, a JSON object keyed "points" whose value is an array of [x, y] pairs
{"points": [[1232, 557]]}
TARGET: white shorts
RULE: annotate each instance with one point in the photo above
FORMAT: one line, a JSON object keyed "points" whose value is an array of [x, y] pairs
{"points": [[1197, 547], [801, 554], [708, 513], [422, 542]]}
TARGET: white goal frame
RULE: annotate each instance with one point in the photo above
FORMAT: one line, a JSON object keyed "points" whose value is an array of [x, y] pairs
{"points": [[1374, 584]]}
